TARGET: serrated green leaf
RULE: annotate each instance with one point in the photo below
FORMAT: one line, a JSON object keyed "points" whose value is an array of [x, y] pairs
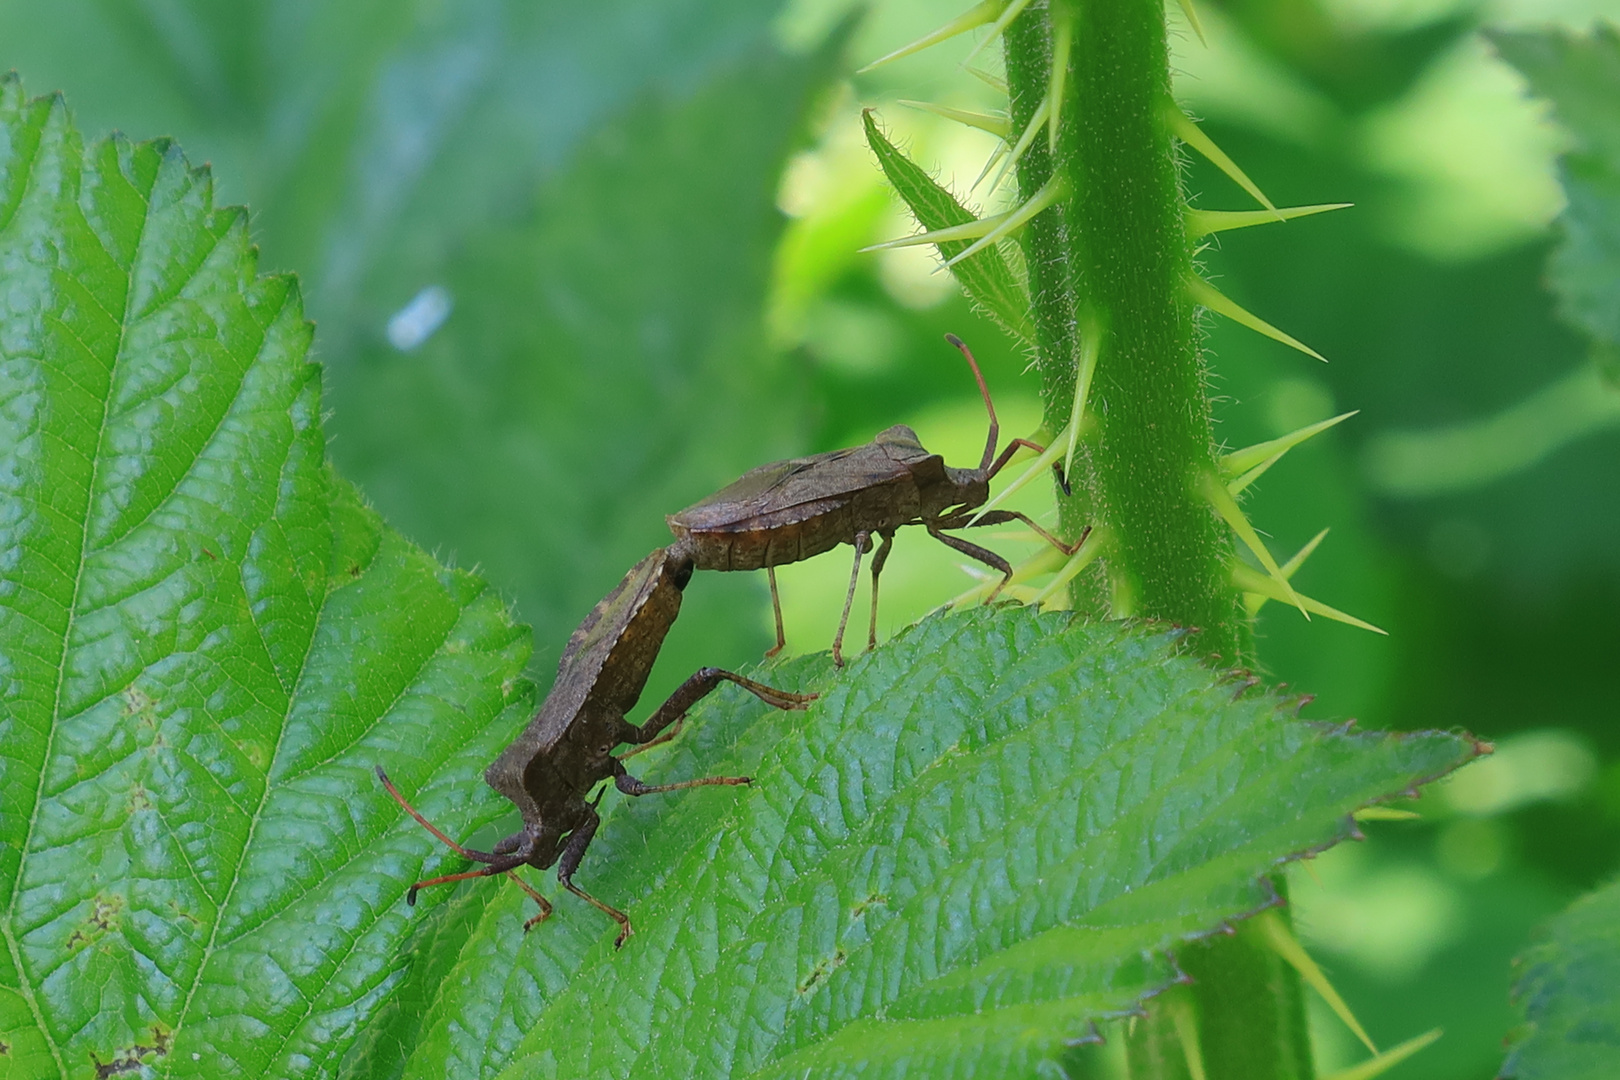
{"points": [[984, 837], [1569, 990], [207, 640], [985, 277], [1580, 75]]}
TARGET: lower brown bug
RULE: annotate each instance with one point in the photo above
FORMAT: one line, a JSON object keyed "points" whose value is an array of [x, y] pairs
{"points": [[567, 749]]}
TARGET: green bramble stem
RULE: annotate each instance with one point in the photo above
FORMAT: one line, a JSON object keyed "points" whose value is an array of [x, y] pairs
{"points": [[1046, 254], [1114, 259], [1127, 260]]}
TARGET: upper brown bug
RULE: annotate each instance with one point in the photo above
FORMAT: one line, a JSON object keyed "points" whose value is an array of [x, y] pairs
{"points": [[791, 510]]}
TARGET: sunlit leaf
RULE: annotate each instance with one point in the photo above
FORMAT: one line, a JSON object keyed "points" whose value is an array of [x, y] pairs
{"points": [[207, 641], [981, 839]]}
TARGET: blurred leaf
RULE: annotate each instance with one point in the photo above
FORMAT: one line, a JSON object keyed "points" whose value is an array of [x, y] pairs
{"points": [[1570, 992], [1408, 464], [983, 837], [605, 363], [1358, 67], [371, 135], [985, 277], [1580, 75], [207, 641]]}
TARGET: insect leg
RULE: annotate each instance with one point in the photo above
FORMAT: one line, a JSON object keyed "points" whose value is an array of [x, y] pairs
{"points": [[1012, 448], [503, 867], [545, 905], [476, 856], [1001, 517], [578, 841], [849, 598], [498, 864], [878, 560], [631, 786], [689, 693], [974, 551], [1008, 451], [776, 606], [660, 740]]}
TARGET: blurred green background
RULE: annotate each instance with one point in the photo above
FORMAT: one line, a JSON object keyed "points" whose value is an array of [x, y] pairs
{"points": [[575, 266]]}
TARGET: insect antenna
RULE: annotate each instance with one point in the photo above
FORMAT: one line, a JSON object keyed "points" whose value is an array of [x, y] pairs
{"points": [[984, 391], [475, 856]]}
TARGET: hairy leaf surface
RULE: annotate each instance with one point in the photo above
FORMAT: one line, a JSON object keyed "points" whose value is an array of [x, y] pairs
{"points": [[985, 836], [1570, 993], [207, 640]]}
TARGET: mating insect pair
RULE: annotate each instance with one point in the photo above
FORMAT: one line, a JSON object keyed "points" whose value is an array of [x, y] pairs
{"points": [[776, 514]]}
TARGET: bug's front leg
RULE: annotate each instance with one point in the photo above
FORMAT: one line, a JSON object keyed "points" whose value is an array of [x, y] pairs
{"points": [[506, 858], [974, 551], [965, 520]]}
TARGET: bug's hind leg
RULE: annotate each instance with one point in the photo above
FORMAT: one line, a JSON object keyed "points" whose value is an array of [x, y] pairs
{"points": [[776, 607], [861, 539], [631, 786], [878, 560]]}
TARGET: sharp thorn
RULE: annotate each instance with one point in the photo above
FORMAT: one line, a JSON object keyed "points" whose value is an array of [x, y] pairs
{"points": [[1036, 120], [1202, 292], [998, 126], [1250, 463], [1062, 38], [1054, 190], [979, 14], [1285, 945], [1012, 12], [1221, 500], [1191, 12], [1183, 128], [970, 230], [1249, 581], [1205, 222]]}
